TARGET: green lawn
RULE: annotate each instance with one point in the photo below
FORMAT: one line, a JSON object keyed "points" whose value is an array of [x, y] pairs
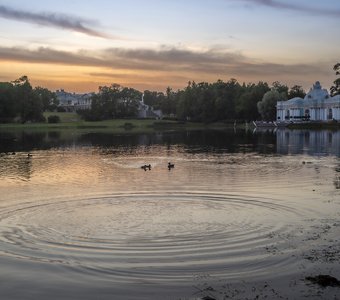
{"points": [[72, 121], [65, 117]]}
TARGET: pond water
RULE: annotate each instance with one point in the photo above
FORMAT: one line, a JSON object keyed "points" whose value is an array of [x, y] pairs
{"points": [[241, 214]]}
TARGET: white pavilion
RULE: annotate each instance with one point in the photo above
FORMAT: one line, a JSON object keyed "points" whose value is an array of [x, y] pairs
{"points": [[317, 105]]}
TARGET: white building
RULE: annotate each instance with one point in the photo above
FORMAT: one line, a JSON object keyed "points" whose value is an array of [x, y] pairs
{"points": [[146, 111], [316, 106], [73, 101]]}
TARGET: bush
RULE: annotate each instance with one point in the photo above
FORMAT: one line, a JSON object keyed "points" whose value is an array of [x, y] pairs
{"points": [[53, 119], [128, 125], [61, 109]]}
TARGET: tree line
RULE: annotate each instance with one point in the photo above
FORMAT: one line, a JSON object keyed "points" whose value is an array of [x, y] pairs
{"points": [[198, 102]]}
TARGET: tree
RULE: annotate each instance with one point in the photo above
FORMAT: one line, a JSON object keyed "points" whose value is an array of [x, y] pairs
{"points": [[281, 88], [187, 106], [296, 91], [151, 98], [113, 102], [8, 108], [335, 89], [267, 106], [247, 102], [168, 101], [128, 104], [53, 119], [226, 95], [29, 105], [48, 99]]}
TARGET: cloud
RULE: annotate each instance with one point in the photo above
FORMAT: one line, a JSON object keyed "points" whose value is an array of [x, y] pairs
{"points": [[296, 7], [139, 67], [140, 77], [166, 60], [62, 21], [47, 56], [171, 59]]}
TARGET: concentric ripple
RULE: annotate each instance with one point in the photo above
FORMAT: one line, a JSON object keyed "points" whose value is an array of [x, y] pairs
{"points": [[146, 236]]}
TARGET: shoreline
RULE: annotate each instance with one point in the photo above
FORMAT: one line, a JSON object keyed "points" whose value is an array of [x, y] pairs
{"points": [[150, 125]]}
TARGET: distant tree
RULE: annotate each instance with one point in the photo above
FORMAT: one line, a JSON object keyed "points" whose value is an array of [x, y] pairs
{"points": [[18, 100], [150, 98], [226, 95], [206, 103], [246, 107], [8, 109], [335, 89], [296, 91], [48, 99], [112, 102], [267, 106], [281, 88], [29, 105], [154, 99], [128, 104], [185, 105], [168, 103], [53, 119]]}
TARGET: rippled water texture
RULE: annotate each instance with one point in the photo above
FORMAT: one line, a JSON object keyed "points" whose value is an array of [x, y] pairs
{"points": [[240, 215]]}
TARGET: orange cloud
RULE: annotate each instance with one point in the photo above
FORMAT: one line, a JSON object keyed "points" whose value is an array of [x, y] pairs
{"points": [[149, 68]]}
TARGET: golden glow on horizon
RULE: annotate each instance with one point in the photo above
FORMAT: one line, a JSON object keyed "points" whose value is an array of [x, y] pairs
{"points": [[84, 79], [88, 79]]}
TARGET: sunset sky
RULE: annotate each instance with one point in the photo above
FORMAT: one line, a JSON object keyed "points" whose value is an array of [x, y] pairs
{"points": [[79, 45]]}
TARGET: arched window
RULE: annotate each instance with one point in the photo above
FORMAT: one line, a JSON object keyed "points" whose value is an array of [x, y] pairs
{"points": [[330, 114], [307, 114]]}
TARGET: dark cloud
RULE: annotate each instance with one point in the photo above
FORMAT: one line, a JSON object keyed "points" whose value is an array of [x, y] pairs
{"points": [[170, 59], [297, 7], [134, 59], [47, 56], [52, 20], [167, 78], [172, 62]]}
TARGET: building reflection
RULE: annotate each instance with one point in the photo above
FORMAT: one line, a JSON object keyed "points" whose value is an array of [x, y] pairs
{"points": [[311, 142]]}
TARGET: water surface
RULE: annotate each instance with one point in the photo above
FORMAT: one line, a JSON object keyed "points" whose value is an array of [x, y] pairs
{"points": [[242, 214]]}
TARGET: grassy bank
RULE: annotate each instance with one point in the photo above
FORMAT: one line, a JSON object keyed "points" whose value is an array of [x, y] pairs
{"points": [[65, 117], [72, 121]]}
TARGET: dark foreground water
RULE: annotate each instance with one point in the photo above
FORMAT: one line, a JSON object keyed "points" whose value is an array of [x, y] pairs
{"points": [[242, 215]]}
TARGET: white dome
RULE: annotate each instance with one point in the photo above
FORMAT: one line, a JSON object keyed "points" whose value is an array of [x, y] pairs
{"points": [[297, 101], [317, 93]]}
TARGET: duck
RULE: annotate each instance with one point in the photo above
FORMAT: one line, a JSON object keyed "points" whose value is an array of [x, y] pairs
{"points": [[145, 167], [170, 165]]}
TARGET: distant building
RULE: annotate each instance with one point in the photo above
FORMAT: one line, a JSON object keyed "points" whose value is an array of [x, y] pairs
{"points": [[316, 106], [146, 111], [72, 101]]}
